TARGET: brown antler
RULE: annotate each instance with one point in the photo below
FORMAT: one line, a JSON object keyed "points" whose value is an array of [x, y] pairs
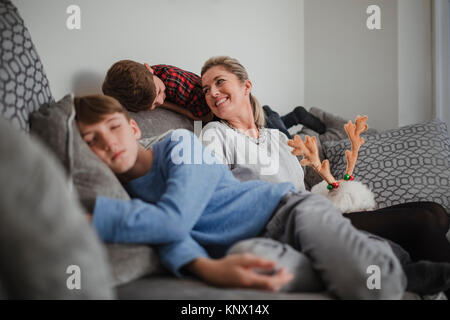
{"points": [[308, 149], [353, 132]]}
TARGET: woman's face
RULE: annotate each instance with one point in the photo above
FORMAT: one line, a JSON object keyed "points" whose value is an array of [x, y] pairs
{"points": [[225, 94]]}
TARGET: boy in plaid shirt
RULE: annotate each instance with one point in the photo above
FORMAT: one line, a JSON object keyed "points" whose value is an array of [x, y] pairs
{"points": [[140, 87]]}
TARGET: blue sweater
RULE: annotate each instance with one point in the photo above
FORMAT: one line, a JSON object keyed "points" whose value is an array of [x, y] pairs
{"points": [[187, 204]]}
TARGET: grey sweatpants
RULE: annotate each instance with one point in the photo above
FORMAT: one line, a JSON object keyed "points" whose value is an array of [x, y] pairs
{"points": [[329, 252]]}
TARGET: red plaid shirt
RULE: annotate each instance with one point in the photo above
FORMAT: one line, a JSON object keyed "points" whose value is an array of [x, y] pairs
{"points": [[183, 88]]}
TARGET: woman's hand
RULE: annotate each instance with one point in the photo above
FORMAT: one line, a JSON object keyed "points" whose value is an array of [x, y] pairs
{"points": [[240, 270]]}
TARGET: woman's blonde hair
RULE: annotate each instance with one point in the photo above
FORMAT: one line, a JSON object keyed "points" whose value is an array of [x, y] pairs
{"points": [[233, 66]]}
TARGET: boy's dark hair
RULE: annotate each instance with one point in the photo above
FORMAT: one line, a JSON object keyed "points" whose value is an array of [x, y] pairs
{"points": [[132, 84], [92, 109]]}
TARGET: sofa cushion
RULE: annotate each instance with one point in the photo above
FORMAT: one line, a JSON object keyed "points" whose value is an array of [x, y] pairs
{"points": [[56, 126], [42, 230], [24, 87], [158, 121], [407, 164], [170, 288], [130, 262], [167, 287]]}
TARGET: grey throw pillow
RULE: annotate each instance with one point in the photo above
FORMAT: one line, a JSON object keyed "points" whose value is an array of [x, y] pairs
{"points": [[42, 230], [56, 126], [407, 164], [24, 87]]}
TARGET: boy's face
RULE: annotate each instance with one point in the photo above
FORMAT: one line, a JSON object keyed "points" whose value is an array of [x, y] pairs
{"points": [[113, 140], [160, 89]]}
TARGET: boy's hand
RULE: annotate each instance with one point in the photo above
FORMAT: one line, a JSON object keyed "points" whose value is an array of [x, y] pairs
{"points": [[238, 270]]}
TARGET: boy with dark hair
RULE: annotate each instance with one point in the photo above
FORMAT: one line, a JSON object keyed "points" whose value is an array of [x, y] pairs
{"points": [[139, 87], [194, 210]]}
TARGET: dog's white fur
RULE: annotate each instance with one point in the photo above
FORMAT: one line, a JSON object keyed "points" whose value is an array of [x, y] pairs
{"points": [[351, 196]]}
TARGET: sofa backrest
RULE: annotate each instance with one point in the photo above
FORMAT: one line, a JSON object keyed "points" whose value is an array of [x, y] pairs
{"points": [[24, 87]]}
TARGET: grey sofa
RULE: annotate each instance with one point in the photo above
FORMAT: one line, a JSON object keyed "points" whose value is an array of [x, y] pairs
{"points": [[43, 230], [44, 215]]}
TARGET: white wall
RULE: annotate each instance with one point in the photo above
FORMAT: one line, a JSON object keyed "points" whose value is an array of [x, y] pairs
{"points": [[415, 61], [349, 69], [441, 59], [265, 35], [298, 52]]}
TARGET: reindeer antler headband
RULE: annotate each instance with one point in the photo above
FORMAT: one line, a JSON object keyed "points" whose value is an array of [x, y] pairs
{"points": [[308, 149]]}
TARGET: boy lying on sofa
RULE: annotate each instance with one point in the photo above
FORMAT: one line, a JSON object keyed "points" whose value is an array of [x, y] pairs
{"points": [[193, 210]]}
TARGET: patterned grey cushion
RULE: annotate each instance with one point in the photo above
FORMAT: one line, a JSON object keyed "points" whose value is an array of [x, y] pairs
{"points": [[24, 86], [91, 177], [410, 163]]}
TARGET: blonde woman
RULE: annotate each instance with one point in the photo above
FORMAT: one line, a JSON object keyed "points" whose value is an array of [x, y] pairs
{"points": [[252, 151]]}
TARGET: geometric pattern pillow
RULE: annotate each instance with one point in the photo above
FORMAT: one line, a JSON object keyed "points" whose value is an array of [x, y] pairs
{"points": [[411, 163], [24, 86]]}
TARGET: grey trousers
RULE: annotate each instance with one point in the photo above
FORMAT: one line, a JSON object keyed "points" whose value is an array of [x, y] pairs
{"points": [[324, 251]]}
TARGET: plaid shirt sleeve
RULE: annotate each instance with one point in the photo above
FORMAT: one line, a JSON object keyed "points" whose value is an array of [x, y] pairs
{"points": [[183, 88]]}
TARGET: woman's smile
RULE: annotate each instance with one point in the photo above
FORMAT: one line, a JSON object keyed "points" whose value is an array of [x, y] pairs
{"points": [[221, 101]]}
